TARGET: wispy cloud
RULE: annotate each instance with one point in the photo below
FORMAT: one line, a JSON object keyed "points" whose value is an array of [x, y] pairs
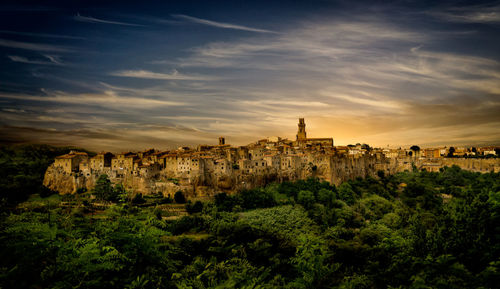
{"points": [[109, 99], [175, 75], [220, 24], [360, 79], [366, 75], [469, 14], [33, 46], [53, 60], [89, 19], [14, 110]]}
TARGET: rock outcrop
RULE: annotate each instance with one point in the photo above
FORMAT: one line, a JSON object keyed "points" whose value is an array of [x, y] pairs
{"points": [[332, 169]]}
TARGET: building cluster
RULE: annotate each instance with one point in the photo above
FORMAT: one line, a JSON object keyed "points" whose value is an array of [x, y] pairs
{"points": [[266, 156], [441, 152], [261, 157]]}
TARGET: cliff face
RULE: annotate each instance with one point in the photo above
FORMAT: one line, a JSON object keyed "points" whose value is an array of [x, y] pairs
{"points": [[332, 169], [57, 180]]}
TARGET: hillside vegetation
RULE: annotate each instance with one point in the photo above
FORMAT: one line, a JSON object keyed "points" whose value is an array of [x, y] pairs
{"points": [[22, 168], [410, 230]]}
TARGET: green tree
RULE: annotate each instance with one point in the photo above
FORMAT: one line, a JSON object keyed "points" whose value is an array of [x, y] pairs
{"points": [[195, 207], [138, 199], [311, 262], [179, 197], [103, 190], [346, 193], [326, 197], [306, 198]]}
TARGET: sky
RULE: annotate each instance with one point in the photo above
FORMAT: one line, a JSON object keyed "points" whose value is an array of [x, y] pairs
{"points": [[120, 75]]}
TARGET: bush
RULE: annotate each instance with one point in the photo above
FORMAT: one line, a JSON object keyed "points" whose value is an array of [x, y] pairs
{"points": [[186, 224], [197, 207], [225, 202], [179, 197], [138, 199], [80, 191], [166, 200], [256, 198]]}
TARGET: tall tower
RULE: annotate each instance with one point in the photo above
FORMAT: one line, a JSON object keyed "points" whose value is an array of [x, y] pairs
{"points": [[222, 140], [301, 134]]}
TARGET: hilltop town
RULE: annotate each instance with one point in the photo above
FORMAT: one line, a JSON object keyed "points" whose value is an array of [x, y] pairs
{"points": [[208, 169]]}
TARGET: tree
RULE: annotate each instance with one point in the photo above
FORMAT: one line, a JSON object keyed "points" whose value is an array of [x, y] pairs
{"points": [[22, 168], [451, 150], [197, 207], [103, 189], [346, 193], [326, 197], [256, 198], [311, 261], [138, 199], [306, 198], [415, 149], [366, 147], [179, 197]]}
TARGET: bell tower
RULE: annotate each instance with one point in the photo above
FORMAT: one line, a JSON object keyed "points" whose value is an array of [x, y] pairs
{"points": [[301, 134]]}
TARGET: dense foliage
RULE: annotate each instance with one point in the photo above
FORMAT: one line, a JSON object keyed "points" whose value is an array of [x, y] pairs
{"points": [[410, 230], [22, 168]]}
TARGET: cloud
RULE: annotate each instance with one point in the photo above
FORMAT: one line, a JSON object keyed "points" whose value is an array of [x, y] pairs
{"points": [[53, 60], [33, 46], [89, 19], [367, 77], [107, 99], [469, 14], [116, 139], [375, 102], [175, 75], [357, 80], [14, 110], [220, 24]]}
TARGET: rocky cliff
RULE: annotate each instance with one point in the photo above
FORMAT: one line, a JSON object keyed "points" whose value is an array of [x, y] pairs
{"points": [[332, 169]]}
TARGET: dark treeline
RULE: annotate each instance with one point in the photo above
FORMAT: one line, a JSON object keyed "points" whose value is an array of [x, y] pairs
{"points": [[22, 168], [409, 230]]}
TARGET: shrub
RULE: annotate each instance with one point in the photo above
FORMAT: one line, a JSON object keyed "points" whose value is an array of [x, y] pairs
{"points": [[179, 197], [195, 207], [138, 199]]}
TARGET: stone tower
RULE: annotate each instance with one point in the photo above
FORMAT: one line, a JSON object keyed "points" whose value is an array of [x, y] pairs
{"points": [[301, 134]]}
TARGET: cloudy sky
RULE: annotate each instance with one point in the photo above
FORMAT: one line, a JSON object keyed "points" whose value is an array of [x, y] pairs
{"points": [[160, 74]]}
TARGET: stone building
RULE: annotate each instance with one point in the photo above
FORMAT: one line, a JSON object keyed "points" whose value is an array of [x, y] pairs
{"points": [[70, 162], [123, 163], [101, 161], [303, 141]]}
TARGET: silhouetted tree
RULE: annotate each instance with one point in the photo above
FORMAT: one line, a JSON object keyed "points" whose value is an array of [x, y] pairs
{"points": [[179, 197]]}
